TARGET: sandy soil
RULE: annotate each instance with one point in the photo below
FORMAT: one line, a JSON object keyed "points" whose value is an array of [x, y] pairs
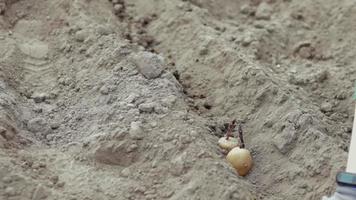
{"points": [[127, 99]]}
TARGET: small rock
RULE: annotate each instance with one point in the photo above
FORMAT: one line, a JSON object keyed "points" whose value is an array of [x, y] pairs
{"points": [[161, 110], [132, 148], [191, 189], [154, 164], [133, 113], [48, 184], [298, 80], [139, 189], [55, 126], [39, 165], [104, 90], [247, 40], [341, 95], [37, 125], [6, 134], [202, 154], [125, 172], [326, 107], [132, 98], [136, 131], [204, 51], [304, 49], [6, 180], [150, 65], [104, 30], [347, 129], [38, 110], [178, 165], [264, 11], [153, 124], [39, 97], [147, 107], [39, 193], [118, 8], [54, 179], [284, 140], [185, 139], [50, 137], [167, 194], [130, 106], [61, 184], [305, 120], [81, 35], [10, 191], [321, 76], [259, 24], [169, 101], [247, 9]]}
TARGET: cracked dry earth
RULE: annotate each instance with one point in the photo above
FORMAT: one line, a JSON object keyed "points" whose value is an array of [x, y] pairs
{"points": [[126, 100]]}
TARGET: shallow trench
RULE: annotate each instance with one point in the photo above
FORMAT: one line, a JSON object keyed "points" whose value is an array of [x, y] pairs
{"points": [[203, 48]]}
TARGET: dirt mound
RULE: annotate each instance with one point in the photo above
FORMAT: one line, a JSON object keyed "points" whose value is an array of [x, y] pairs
{"points": [[127, 99]]}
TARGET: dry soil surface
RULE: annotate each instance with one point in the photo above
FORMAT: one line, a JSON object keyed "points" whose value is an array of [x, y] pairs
{"points": [[125, 100]]}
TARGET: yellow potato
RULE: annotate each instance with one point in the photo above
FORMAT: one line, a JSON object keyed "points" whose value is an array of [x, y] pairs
{"points": [[240, 159], [228, 144]]}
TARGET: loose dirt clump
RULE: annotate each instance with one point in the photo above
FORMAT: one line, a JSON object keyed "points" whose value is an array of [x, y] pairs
{"points": [[127, 99]]}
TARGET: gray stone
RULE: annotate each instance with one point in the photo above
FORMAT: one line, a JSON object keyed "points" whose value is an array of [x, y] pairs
{"points": [[247, 9], [147, 107], [54, 179], [125, 172], [169, 100], [38, 125], [104, 30], [132, 97], [118, 8], [154, 164], [132, 147], [178, 165], [153, 124], [50, 137], [39, 193], [204, 51], [39, 97], [10, 191], [7, 179], [104, 90], [150, 65], [81, 35], [264, 11], [341, 95], [284, 140], [6, 133], [55, 125], [185, 139], [321, 76], [136, 131], [61, 184], [161, 110], [247, 39], [326, 107]]}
